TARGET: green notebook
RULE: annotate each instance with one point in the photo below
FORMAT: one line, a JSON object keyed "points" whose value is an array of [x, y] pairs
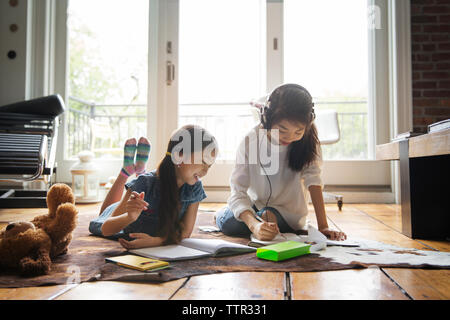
{"points": [[283, 250]]}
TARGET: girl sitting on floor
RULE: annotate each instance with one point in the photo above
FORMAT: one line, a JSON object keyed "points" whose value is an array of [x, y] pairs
{"points": [[264, 200], [159, 207]]}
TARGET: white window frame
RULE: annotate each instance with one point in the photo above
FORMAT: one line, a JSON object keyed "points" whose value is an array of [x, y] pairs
{"points": [[359, 173], [390, 97], [400, 70]]}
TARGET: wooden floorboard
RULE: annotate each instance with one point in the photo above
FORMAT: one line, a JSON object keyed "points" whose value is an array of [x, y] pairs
{"points": [[356, 223], [115, 290], [422, 284], [381, 222], [366, 284], [385, 213], [369, 284], [437, 245], [234, 286], [390, 214], [30, 293]]}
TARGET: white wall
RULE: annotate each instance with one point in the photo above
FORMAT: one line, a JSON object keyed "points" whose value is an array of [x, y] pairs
{"points": [[13, 73]]}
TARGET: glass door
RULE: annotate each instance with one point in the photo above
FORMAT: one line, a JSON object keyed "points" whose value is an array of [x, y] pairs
{"points": [[222, 46], [326, 49], [107, 80], [230, 52]]}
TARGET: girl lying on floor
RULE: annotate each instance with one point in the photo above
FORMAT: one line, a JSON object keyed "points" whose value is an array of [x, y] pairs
{"points": [[159, 207]]}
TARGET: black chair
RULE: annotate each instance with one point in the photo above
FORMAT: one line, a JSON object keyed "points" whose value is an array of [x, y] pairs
{"points": [[28, 136]]}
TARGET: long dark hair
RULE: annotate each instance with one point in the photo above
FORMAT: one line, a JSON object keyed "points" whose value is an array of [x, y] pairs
{"points": [[292, 102], [170, 227]]}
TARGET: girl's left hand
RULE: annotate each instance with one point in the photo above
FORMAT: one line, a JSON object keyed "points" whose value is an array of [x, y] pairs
{"points": [[333, 235], [143, 240]]}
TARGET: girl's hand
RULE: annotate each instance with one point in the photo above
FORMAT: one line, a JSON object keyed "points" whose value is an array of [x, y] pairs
{"points": [[333, 235], [135, 205], [143, 240], [266, 231]]}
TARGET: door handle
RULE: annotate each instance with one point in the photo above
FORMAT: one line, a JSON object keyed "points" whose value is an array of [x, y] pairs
{"points": [[170, 72]]}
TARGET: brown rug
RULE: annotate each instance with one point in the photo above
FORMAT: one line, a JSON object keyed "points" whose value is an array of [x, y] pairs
{"points": [[85, 261]]}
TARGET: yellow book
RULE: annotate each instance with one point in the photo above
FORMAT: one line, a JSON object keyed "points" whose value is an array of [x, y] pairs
{"points": [[138, 263]]}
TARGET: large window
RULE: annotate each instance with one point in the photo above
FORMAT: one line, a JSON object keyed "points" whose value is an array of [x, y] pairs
{"points": [[220, 55], [222, 67], [326, 51], [108, 47]]}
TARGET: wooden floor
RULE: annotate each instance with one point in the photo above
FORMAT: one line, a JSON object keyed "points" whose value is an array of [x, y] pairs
{"points": [[381, 222]]}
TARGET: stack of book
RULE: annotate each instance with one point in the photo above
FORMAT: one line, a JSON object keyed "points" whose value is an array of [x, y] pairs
{"points": [[438, 126]]}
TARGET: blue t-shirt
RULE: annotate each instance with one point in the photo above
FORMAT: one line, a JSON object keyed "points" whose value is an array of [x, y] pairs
{"points": [[148, 221]]}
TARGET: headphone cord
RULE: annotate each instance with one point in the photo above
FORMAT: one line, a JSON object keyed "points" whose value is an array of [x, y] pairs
{"points": [[265, 172]]}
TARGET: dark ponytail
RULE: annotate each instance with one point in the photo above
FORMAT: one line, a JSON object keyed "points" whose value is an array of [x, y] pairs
{"points": [[294, 103], [169, 205], [170, 226]]}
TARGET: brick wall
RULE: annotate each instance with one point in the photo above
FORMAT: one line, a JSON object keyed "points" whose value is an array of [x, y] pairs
{"points": [[430, 41]]}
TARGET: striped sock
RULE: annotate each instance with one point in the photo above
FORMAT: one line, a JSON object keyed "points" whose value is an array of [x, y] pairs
{"points": [[143, 150], [129, 151]]}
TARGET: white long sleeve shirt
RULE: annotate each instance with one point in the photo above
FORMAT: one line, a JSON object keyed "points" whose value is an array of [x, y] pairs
{"points": [[250, 185]]}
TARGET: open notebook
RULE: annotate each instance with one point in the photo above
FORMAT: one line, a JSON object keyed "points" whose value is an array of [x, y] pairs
{"points": [[192, 248], [317, 240]]}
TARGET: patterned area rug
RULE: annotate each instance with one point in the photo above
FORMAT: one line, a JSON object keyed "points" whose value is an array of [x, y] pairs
{"points": [[85, 261]]}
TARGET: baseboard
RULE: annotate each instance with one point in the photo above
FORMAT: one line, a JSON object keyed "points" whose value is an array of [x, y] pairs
{"points": [[351, 194]]}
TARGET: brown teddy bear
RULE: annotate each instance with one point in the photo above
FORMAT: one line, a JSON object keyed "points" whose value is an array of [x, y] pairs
{"points": [[30, 246]]}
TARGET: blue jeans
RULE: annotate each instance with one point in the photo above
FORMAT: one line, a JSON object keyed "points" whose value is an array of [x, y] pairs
{"points": [[228, 224], [95, 226]]}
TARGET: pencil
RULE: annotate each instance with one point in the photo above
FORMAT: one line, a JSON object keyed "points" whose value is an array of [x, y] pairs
{"points": [[268, 220], [258, 218]]}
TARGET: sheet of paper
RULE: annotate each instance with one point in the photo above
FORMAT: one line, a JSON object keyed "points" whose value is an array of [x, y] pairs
{"points": [[214, 245], [209, 229], [316, 236], [322, 241], [343, 243], [170, 253], [281, 237]]}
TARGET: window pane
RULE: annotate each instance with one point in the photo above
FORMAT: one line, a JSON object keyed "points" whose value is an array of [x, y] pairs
{"points": [[221, 58], [108, 46], [326, 51]]}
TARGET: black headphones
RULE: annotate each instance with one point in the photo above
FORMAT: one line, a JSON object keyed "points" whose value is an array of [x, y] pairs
{"points": [[266, 110]]}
